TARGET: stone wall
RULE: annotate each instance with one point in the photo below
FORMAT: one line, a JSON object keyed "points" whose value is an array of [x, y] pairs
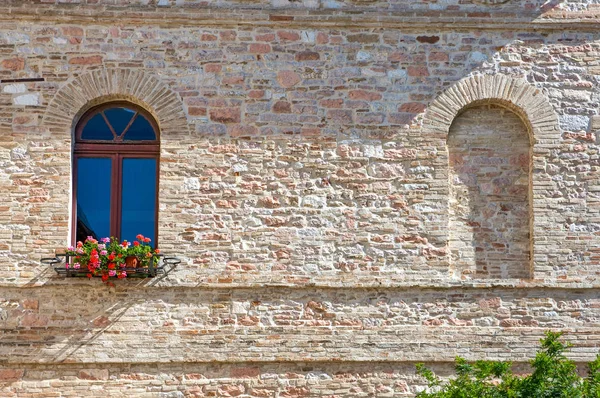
{"points": [[314, 165]]}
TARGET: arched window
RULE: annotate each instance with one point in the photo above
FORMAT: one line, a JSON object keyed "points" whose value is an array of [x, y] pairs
{"points": [[115, 179]]}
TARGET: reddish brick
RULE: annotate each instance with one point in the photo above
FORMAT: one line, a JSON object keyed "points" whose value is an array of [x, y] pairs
{"points": [[72, 31], [340, 115], [310, 132], [213, 68], [288, 78], [229, 390], [511, 323], [295, 392], [91, 60], [13, 64], [428, 39], [196, 111], [114, 32], [260, 48], [412, 107], [101, 321], [322, 38], [282, 107], [208, 37], [439, 56], [307, 56], [30, 304], [332, 103], [11, 374], [228, 35], [288, 36], [364, 95], [281, 18], [270, 202], [399, 57], [232, 80], [255, 94], [33, 320], [93, 374], [265, 37], [24, 120], [418, 71], [239, 130], [245, 372], [226, 115]]}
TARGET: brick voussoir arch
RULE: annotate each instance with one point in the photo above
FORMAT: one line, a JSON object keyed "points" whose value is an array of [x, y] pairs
{"points": [[103, 85], [537, 114], [525, 100]]}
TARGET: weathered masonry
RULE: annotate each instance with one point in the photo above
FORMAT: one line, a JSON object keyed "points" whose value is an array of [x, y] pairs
{"points": [[352, 187]]}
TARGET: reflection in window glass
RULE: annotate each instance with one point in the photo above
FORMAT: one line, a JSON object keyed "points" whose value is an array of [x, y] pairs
{"points": [[140, 130], [93, 197], [138, 206], [119, 118], [96, 129]]}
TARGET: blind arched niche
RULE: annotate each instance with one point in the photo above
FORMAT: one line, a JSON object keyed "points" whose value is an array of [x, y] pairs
{"points": [[490, 196]]}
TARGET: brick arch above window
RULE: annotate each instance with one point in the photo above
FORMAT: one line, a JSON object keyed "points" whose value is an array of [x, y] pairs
{"points": [[104, 85], [525, 100]]}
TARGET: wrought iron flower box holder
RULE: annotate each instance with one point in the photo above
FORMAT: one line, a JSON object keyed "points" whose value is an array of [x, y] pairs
{"points": [[60, 261]]}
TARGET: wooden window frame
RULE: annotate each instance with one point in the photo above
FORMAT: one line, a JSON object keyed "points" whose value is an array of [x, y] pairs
{"points": [[116, 150]]}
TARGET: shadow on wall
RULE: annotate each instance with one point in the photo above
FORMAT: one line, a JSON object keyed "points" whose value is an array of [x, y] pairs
{"points": [[489, 204]]}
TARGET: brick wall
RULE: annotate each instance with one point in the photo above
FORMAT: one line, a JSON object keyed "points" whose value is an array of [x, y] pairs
{"points": [[489, 159], [310, 182]]}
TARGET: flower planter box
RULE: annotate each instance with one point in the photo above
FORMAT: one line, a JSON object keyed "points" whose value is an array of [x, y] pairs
{"points": [[108, 258], [59, 262]]}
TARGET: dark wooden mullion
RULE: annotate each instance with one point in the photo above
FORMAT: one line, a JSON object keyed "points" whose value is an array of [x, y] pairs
{"points": [[74, 214], [128, 125], [110, 149], [118, 188], [157, 157], [112, 130]]}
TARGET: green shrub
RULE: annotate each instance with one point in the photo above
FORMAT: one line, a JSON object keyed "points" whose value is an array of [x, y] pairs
{"points": [[553, 376]]}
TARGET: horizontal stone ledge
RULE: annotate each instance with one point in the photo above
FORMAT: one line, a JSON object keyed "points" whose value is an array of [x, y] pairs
{"points": [[317, 283], [353, 17], [219, 366], [406, 344]]}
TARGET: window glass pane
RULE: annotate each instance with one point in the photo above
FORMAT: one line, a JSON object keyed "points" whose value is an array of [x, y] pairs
{"points": [[96, 129], [138, 206], [93, 197], [141, 129], [119, 118]]}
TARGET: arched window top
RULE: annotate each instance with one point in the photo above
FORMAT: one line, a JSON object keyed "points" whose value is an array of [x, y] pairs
{"points": [[115, 176], [117, 122]]}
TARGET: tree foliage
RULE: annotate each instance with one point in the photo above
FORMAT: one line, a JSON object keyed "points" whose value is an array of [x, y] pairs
{"points": [[553, 376]]}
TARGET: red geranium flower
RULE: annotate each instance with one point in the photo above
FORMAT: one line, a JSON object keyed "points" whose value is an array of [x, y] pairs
{"points": [[107, 261]]}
